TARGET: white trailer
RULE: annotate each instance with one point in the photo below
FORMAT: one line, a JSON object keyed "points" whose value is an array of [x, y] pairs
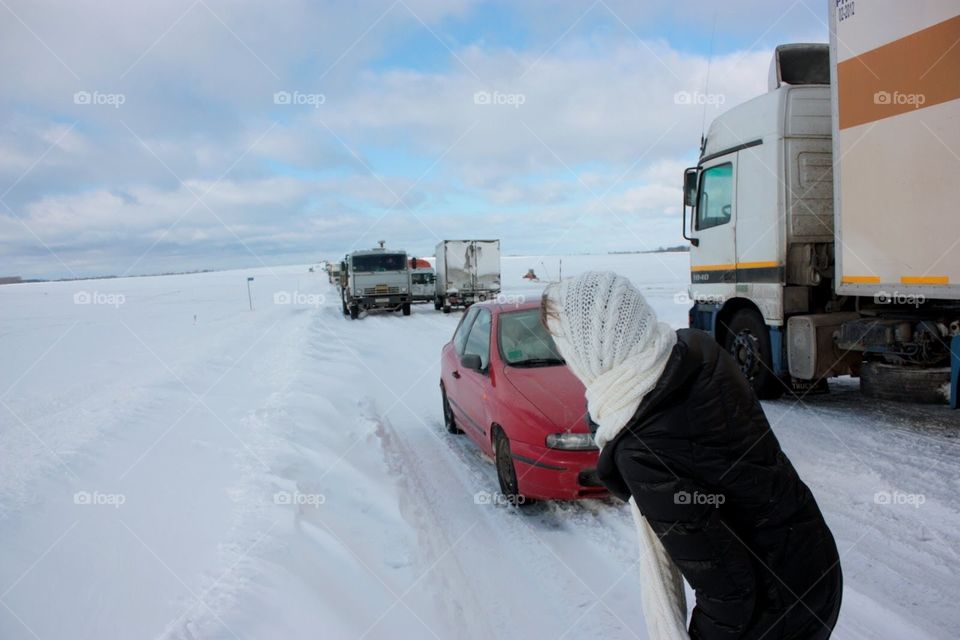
{"points": [[468, 271], [825, 234]]}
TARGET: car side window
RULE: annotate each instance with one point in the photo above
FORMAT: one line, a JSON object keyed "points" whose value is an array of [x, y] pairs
{"points": [[478, 342], [715, 204], [460, 336]]}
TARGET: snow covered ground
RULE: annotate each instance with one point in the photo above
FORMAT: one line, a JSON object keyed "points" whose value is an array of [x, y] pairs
{"points": [[173, 465]]}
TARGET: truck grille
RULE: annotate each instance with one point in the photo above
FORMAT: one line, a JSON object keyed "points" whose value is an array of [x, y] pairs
{"points": [[381, 290]]}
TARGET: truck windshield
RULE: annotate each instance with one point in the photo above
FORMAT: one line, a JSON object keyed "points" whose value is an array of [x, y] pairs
{"points": [[380, 262], [524, 342]]}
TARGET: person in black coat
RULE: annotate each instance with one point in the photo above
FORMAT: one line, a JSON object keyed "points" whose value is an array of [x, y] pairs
{"points": [[699, 458]]}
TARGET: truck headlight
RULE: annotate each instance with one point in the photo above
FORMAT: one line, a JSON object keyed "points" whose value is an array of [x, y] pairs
{"points": [[571, 441]]}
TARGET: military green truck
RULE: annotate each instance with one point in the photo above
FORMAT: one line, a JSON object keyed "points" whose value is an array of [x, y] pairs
{"points": [[375, 279]]}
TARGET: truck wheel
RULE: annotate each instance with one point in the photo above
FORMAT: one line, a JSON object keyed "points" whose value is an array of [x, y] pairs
{"points": [[506, 470], [346, 311], [910, 384], [447, 308], [748, 340], [354, 312], [437, 303], [406, 308]]}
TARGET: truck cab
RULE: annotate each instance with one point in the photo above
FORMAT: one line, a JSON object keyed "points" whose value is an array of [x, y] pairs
{"points": [[375, 279], [765, 232]]}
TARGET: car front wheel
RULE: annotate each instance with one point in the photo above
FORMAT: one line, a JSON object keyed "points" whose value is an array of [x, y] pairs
{"points": [[507, 471], [449, 421]]}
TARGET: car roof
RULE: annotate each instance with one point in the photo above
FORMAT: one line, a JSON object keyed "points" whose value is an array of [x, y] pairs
{"points": [[498, 306]]}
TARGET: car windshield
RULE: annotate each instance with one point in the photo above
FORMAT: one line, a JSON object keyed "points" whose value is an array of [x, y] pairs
{"points": [[524, 342], [380, 262]]}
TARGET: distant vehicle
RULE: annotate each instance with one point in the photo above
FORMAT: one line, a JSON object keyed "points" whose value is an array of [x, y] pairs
{"points": [[468, 271], [823, 221], [333, 273], [375, 279], [422, 280], [503, 383]]}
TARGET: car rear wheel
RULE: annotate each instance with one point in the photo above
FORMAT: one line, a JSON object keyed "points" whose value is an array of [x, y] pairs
{"points": [[449, 421], [506, 470]]}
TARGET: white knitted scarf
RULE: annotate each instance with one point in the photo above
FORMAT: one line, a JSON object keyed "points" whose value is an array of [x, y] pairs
{"points": [[612, 341]]}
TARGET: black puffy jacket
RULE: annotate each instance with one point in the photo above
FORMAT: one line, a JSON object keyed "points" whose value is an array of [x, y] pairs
{"points": [[709, 475]]}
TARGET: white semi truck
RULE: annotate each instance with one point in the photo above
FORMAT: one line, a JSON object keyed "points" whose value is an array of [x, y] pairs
{"points": [[468, 271], [375, 279], [823, 220]]}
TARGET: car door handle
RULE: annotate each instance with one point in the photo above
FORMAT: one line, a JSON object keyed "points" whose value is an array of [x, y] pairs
{"points": [[456, 374]]}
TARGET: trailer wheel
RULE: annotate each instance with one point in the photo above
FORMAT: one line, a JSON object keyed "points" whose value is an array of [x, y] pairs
{"points": [[446, 307], [748, 340], [909, 384], [406, 308], [437, 303], [354, 312]]}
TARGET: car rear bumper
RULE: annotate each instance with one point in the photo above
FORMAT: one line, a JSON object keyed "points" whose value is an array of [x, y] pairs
{"points": [[555, 474]]}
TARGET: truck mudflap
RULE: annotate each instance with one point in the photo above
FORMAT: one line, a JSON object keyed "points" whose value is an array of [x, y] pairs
{"points": [[955, 372]]}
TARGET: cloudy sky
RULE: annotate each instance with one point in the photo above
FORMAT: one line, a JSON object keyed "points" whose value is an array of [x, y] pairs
{"points": [[142, 137]]}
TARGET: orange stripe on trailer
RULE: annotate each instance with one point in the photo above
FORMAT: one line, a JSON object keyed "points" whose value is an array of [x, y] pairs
{"points": [[763, 264], [913, 72], [925, 280], [713, 267], [860, 280]]}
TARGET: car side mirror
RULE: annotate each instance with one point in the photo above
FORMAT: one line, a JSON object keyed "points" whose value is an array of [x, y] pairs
{"points": [[471, 361]]}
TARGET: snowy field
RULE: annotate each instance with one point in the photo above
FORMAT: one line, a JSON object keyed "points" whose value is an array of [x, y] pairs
{"points": [[173, 465]]}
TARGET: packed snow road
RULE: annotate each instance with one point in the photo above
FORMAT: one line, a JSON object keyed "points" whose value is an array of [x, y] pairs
{"points": [[177, 466]]}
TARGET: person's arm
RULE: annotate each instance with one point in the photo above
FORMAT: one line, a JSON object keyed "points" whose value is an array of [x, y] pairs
{"points": [[685, 517]]}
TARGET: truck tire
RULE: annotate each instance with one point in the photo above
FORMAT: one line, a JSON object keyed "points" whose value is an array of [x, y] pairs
{"points": [[346, 311], [446, 307], [437, 303], [909, 384], [354, 312], [748, 340], [406, 308]]}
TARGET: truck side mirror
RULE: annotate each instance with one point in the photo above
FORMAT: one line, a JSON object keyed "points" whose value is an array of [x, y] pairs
{"points": [[690, 187], [471, 361]]}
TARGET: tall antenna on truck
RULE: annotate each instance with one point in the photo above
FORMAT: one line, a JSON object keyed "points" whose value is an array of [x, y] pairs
{"points": [[706, 85]]}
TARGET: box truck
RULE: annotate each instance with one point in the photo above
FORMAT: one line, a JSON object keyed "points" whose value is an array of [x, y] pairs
{"points": [[824, 227], [468, 271]]}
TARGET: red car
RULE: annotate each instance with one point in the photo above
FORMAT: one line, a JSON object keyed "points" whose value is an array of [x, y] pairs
{"points": [[504, 385]]}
